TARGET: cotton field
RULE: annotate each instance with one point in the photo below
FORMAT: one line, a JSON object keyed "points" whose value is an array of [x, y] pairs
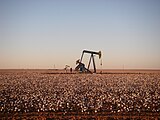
{"points": [[35, 91]]}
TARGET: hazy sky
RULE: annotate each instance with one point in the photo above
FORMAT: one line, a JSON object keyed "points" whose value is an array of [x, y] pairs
{"points": [[44, 33]]}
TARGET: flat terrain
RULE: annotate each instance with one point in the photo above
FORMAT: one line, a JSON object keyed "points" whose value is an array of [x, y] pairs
{"points": [[117, 94]]}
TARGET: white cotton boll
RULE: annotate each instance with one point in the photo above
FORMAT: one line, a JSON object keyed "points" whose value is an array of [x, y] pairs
{"points": [[119, 104]]}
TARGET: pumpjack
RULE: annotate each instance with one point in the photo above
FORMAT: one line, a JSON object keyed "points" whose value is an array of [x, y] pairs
{"points": [[81, 66]]}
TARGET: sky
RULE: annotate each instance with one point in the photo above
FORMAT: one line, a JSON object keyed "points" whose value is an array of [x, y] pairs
{"points": [[53, 33]]}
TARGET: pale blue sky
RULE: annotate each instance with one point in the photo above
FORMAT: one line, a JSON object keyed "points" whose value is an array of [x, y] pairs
{"points": [[44, 33]]}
